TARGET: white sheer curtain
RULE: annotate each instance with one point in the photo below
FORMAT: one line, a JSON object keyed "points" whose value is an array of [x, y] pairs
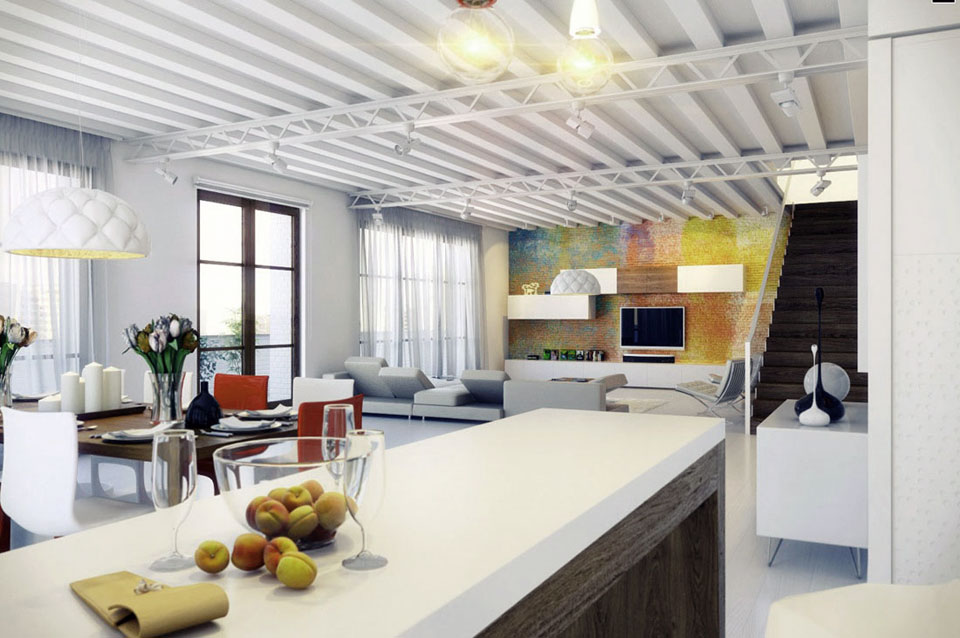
{"points": [[421, 291], [55, 297]]}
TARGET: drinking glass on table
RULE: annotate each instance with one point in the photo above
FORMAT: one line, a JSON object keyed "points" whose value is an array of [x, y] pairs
{"points": [[174, 485], [364, 484], [337, 421]]}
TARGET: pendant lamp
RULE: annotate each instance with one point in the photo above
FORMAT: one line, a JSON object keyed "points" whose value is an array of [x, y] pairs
{"points": [[475, 43], [584, 64]]}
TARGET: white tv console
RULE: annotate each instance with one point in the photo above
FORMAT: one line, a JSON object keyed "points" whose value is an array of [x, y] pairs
{"points": [[645, 375]]}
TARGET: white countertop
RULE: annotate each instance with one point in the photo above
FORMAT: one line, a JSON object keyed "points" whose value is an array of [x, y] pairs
{"points": [[473, 521], [854, 420]]}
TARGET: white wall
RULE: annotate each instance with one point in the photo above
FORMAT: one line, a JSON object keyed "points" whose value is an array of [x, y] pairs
{"points": [[496, 275], [898, 17], [167, 280], [914, 341]]}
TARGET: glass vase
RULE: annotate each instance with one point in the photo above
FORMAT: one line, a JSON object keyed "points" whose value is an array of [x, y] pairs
{"points": [[6, 379], [167, 389]]}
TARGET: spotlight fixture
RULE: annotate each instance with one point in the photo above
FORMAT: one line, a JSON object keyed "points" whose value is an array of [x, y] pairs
{"points": [[475, 43], [688, 194], [821, 184], [572, 203], [378, 218], [786, 98], [764, 212], [660, 217], [276, 162], [710, 216], [164, 172], [585, 62], [583, 128], [403, 149], [467, 211]]}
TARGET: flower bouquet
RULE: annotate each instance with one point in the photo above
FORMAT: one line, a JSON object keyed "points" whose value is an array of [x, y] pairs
{"points": [[13, 336], [165, 344]]}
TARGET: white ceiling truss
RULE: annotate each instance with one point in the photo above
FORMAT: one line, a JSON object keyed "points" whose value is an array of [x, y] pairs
{"points": [[335, 82]]}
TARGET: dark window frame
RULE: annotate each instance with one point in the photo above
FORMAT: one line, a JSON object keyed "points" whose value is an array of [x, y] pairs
{"points": [[248, 346]]}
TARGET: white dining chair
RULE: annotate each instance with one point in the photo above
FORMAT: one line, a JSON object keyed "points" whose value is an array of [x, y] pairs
{"points": [[307, 390], [39, 489]]}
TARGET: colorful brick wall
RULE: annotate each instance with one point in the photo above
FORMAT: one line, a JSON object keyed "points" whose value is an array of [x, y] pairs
{"points": [[717, 323]]}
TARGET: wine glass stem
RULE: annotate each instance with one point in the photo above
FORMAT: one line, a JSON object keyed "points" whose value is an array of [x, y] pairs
{"points": [[363, 537], [176, 532]]}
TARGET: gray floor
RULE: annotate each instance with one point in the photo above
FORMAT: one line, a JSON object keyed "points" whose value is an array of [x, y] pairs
{"points": [[750, 585]]}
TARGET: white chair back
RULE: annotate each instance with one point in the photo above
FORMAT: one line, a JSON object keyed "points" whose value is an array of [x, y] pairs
{"points": [[40, 471], [308, 390], [185, 398]]}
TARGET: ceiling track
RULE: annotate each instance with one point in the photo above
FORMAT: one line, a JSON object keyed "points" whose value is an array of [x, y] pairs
{"points": [[836, 51], [724, 169]]}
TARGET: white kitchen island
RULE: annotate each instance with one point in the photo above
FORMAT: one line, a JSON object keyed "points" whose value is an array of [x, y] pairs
{"points": [[554, 522]]}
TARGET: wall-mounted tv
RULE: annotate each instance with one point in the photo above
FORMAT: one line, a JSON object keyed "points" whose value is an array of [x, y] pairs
{"points": [[652, 328]]}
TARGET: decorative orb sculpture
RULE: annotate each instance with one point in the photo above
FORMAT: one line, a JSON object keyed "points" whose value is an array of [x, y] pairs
{"points": [[584, 65], [475, 43], [836, 381], [575, 282]]}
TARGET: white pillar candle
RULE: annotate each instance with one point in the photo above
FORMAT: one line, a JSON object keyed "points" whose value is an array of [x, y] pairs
{"points": [[111, 388], [93, 390], [71, 393], [49, 404]]}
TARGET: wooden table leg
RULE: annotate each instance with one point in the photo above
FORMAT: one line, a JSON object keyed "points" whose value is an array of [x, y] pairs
{"points": [[4, 532], [205, 468]]}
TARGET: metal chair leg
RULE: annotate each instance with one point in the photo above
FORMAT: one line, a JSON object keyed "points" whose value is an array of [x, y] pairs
{"points": [[773, 554]]}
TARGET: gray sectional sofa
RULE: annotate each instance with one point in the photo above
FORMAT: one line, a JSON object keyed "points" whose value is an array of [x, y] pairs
{"points": [[481, 395]]}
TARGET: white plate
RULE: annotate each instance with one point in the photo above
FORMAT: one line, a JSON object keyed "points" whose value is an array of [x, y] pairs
{"points": [[140, 434], [265, 426], [279, 411]]}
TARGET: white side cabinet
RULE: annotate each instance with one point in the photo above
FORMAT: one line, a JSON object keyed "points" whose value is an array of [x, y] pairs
{"points": [[812, 481]]}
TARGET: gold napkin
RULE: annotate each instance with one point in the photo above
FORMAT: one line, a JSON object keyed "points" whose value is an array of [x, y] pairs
{"points": [[141, 608]]}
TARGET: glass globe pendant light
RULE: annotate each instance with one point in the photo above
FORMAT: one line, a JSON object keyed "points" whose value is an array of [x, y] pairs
{"points": [[475, 43], [584, 64]]}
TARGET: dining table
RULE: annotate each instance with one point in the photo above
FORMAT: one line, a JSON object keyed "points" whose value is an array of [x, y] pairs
{"points": [[89, 441]]}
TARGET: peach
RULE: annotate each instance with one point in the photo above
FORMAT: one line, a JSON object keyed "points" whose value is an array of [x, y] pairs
{"points": [[331, 509], [212, 556], [277, 494], [295, 497], [248, 552], [296, 570], [303, 521], [314, 488], [252, 510], [274, 550], [272, 517]]}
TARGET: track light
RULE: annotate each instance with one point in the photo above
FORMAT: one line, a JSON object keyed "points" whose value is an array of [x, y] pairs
{"points": [[378, 218], [572, 203], [821, 184], [467, 211], [164, 172], [403, 149], [688, 194], [660, 217], [710, 216], [583, 128], [786, 98], [276, 162], [764, 212]]}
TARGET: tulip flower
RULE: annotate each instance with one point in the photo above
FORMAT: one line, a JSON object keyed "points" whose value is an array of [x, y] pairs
{"points": [[15, 333], [31, 337], [190, 341], [143, 341], [174, 327]]}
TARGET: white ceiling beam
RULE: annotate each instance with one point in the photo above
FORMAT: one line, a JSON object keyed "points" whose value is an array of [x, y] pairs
{"points": [[853, 13], [776, 22], [59, 118]]}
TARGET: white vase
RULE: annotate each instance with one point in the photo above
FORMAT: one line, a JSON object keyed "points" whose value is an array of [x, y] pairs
{"points": [[814, 416]]}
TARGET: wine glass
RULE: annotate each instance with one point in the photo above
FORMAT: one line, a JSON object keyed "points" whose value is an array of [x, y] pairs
{"points": [[174, 485], [337, 421], [364, 483]]}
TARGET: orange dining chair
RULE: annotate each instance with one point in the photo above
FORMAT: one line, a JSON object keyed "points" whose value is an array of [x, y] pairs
{"points": [[310, 417], [240, 391]]}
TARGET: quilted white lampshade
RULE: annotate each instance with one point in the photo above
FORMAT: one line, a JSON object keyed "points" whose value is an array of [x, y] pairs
{"points": [[76, 223], [575, 282]]}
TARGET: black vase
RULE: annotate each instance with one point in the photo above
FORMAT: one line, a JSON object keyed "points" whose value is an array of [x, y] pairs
{"points": [[204, 410], [825, 401]]}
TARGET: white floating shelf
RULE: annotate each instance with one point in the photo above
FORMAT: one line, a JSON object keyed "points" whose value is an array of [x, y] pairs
{"points": [[551, 307], [725, 278]]}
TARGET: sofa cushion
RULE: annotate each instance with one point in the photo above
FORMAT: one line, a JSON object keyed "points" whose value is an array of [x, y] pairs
{"points": [[469, 412], [524, 396], [366, 375], [405, 382], [612, 381], [387, 405], [485, 385], [451, 395]]}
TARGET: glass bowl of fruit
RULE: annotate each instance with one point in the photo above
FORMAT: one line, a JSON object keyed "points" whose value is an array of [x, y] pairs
{"points": [[288, 487]]}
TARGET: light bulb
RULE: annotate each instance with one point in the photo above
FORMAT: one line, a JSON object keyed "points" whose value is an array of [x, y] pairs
{"points": [[584, 65], [476, 44]]}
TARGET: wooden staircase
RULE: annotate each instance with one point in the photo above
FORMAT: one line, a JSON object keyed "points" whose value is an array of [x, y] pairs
{"points": [[821, 251]]}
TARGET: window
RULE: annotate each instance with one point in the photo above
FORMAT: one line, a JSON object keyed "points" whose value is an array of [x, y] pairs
{"points": [[421, 291], [248, 278]]}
